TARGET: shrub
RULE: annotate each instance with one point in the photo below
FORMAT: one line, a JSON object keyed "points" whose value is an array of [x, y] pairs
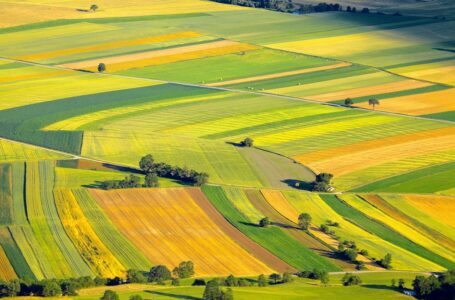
{"points": [[350, 279]]}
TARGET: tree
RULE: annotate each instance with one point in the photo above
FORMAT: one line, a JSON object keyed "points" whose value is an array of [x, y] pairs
{"points": [[110, 295], [13, 288], [324, 177], [201, 179], [350, 279], [386, 262], [365, 10], [151, 180], [101, 67], [304, 221], [394, 282], [401, 283], [264, 222], [227, 294], [262, 281], [175, 282], [136, 297], [373, 102], [51, 288], [159, 274], [287, 277], [275, 277], [184, 270], [423, 287], [135, 276], [324, 278], [348, 102], [94, 7], [247, 142], [317, 186], [212, 290], [69, 287], [147, 164]]}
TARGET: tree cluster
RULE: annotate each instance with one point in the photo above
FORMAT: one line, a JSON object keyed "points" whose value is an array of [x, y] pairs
{"points": [[277, 5], [322, 183], [213, 291], [315, 274], [386, 262], [350, 279], [321, 7], [131, 181], [150, 168], [348, 251], [435, 288]]}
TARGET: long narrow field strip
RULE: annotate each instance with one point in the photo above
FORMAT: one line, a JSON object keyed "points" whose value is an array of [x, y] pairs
{"points": [[6, 194], [421, 104], [13, 151], [443, 72], [123, 250], [93, 251], [440, 208], [407, 231], [333, 152], [156, 57], [152, 220], [379, 202], [6, 270], [14, 254], [109, 45], [371, 90], [31, 76], [281, 74], [272, 238]]}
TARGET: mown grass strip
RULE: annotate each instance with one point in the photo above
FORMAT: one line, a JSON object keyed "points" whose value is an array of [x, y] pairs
{"points": [[382, 231], [271, 238], [14, 254]]}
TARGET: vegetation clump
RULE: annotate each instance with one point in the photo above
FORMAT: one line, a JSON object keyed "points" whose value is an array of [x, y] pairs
{"points": [[247, 142], [435, 288], [304, 221], [264, 222], [350, 279], [322, 183]]}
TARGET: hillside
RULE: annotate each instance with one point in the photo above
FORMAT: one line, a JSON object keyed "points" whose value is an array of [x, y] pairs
{"points": [[242, 110]]}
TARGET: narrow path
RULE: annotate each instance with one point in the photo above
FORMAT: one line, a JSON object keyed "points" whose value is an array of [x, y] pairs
{"points": [[225, 89]]}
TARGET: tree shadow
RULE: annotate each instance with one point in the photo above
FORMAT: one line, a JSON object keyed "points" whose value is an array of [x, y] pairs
{"points": [[173, 295], [379, 287], [287, 226], [249, 224], [235, 144], [297, 184]]}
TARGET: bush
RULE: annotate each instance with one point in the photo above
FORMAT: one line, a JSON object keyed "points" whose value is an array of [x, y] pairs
{"points": [[264, 222], [199, 282], [101, 67], [135, 276], [159, 274], [184, 270], [350, 279], [110, 295], [248, 142]]}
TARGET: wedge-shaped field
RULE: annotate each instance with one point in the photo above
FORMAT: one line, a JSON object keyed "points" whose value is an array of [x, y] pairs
{"points": [[14, 151], [13, 253], [6, 270], [169, 227], [99, 258], [274, 239]]}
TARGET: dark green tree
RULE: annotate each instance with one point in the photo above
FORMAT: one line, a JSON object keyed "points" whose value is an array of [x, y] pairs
{"points": [[348, 102], [184, 270], [94, 7], [373, 102], [275, 277], [136, 297], [175, 282], [151, 180], [350, 279], [101, 67], [159, 274], [212, 290], [147, 164], [324, 277], [201, 179], [247, 142], [110, 295], [264, 222], [304, 221], [13, 288], [401, 283], [135, 276], [287, 277], [262, 281], [51, 288], [69, 287], [386, 262], [227, 294]]}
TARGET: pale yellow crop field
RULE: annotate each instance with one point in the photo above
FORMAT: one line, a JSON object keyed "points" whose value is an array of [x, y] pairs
{"points": [[441, 208], [421, 104], [13, 151], [442, 72]]}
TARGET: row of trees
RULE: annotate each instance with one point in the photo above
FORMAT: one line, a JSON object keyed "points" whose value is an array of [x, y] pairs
{"points": [[435, 288], [277, 5], [371, 102], [150, 168]]}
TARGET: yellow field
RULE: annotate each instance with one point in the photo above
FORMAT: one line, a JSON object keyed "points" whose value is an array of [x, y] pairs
{"points": [[169, 227], [17, 12], [399, 227], [441, 208], [38, 75], [110, 45], [158, 57], [281, 74], [443, 72], [92, 249], [6, 270], [348, 163], [331, 153], [371, 90], [13, 151], [421, 104]]}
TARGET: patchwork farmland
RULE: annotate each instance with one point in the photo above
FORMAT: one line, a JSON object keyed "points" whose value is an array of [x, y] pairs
{"points": [[292, 144]]}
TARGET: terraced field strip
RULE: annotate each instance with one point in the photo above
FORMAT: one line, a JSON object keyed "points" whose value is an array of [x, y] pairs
{"points": [[397, 138], [440, 208], [371, 90], [272, 238], [436, 236], [14, 254], [13, 151], [19, 214], [259, 201], [281, 74], [108, 45], [406, 231], [93, 251], [6, 195], [246, 243], [39, 185], [277, 200], [421, 104], [157, 57], [148, 218], [443, 72], [32, 76], [6, 270], [385, 232], [121, 248]]}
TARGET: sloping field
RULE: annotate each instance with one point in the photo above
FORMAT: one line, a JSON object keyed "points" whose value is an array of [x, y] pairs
{"points": [[6, 270], [13, 151], [200, 240], [437, 72], [272, 238], [14, 254], [99, 258], [438, 207], [156, 57]]}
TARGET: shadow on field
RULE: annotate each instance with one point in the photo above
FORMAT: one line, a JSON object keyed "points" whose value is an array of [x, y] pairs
{"points": [[173, 295], [250, 224], [378, 287], [298, 184]]}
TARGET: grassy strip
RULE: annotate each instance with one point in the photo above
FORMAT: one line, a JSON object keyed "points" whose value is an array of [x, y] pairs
{"points": [[122, 249], [271, 238], [14, 254], [427, 180], [448, 115], [383, 231], [6, 197]]}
